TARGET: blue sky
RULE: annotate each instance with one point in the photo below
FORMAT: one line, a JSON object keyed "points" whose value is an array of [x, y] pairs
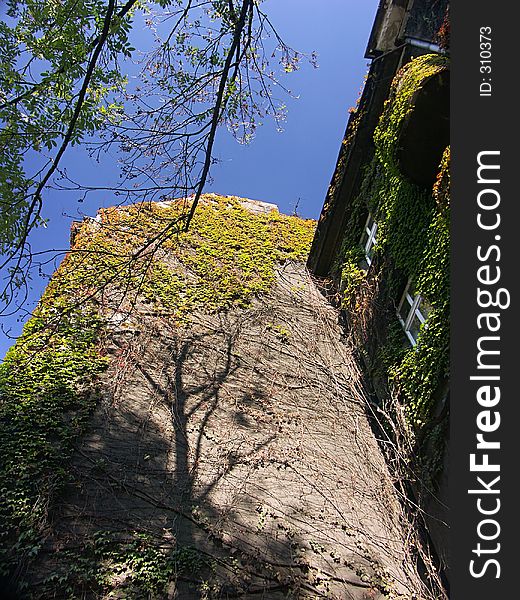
{"points": [[289, 168], [298, 163]]}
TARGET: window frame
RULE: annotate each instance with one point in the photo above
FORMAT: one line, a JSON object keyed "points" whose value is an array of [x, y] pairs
{"points": [[414, 303], [371, 232]]}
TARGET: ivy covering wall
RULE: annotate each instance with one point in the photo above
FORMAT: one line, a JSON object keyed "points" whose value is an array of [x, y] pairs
{"points": [[48, 378], [413, 243]]}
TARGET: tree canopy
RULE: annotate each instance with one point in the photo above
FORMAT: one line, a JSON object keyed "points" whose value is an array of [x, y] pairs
{"points": [[65, 71]]}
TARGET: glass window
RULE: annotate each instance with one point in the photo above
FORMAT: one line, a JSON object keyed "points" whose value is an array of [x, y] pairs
{"points": [[413, 312], [368, 239]]}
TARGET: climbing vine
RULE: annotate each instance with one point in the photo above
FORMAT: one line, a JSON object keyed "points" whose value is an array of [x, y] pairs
{"points": [[399, 105], [45, 399], [424, 368], [412, 243], [139, 562], [47, 380]]}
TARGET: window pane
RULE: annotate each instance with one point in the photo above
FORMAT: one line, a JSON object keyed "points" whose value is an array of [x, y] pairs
{"points": [[425, 307], [404, 310], [368, 240], [415, 325]]}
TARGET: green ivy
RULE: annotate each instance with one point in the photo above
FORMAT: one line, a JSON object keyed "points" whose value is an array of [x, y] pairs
{"points": [[140, 562], [425, 367], [44, 402], [399, 105], [413, 242], [47, 380], [352, 275]]}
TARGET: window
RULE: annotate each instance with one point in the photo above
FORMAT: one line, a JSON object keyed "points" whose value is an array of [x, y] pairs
{"points": [[413, 312], [368, 239]]}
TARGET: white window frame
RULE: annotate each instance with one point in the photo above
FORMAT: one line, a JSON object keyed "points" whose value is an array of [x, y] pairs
{"points": [[414, 303], [371, 231]]}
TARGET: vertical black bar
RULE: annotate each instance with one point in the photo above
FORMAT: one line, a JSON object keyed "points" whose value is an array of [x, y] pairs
{"points": [[485, 241]]}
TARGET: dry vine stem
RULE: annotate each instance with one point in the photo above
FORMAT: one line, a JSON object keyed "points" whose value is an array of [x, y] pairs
{"points": [[244, 438]]}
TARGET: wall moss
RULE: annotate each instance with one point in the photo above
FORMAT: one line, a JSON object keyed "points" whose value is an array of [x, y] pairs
{"points": [[47, 380]]}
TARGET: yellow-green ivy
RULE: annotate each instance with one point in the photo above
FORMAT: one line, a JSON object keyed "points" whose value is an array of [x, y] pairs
{"points": [[47, 380]]}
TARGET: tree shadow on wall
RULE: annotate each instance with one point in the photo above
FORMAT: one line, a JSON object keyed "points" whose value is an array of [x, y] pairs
{"points": [[160, 502]]}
